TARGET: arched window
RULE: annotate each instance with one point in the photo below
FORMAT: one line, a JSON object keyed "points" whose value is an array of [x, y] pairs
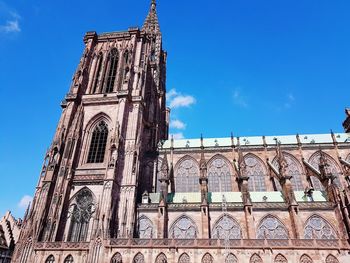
{"points": [[256, 171], [113, 58], [207, 258], [139, 258], [331, 259], [98, 143], [69, 259], [332, 168], [316, 183], [226, 227], [231, 258], [184, 258], [219, 175], [318, 228], [117, 258], [183, 228], [98, 73], [305, 259], [161, 258], [50, 259], [348, 158], [80, 212], [145, 228], [280, 259], [293, 169], [187, 176], [271, 228], [255, 259]]}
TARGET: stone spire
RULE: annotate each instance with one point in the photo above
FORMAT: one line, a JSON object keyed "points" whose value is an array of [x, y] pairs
{"points": [[151, 24]]}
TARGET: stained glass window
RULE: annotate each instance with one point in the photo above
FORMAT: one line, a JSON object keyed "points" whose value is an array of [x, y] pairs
{"points": [[305, 259], [145, 227], [187, 176], [50, 259], [113, 59], [184, 258], [271, 228], [332, 259], [183, 228], [318, 228], [98, 143], [69, 259], [219, 175], [256, 171], [161, 258], [117, 258], [231, 258], [207, 258], [280, 259], [139, 258], [255, 259], [226, 227]]}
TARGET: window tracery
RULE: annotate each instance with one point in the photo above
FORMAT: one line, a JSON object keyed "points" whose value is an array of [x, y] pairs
{"points": [[183, 228], [256, 171], [231, 258], [271, 228], [219, 175], [145, 228], [226, 226], [139, 258], [280, 259], [98, 143], [50, 259], [81, 212], [256, 259], [293, 169], [331, 259], [184, 258], [305, 259], [113, 59], [161, 258], [117, 258], [207, 258], [96, 81], [318, 228], [187, 176], [69, 259]]}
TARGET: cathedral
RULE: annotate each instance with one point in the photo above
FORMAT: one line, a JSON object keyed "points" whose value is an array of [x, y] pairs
{"points": [[115, 188]]}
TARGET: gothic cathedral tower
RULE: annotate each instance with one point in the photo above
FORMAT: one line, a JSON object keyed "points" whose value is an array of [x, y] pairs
{"points": [[102, 155]]}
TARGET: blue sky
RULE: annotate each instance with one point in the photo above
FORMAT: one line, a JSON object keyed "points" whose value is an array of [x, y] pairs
{"points": [[248, 66]]}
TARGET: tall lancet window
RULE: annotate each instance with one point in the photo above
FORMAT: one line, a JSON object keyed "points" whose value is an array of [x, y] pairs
{"points": [[97, 74], [98, 143], [113, 59]]}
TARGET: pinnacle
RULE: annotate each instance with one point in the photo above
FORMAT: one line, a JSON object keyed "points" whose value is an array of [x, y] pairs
{"points": [[151, 24]]}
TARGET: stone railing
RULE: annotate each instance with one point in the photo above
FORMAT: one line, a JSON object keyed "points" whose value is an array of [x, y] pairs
{"points": [[61, 245]]}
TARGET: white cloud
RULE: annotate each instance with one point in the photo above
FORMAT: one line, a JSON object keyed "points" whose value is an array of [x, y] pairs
{"points": [[239, 99], [177, 124], [25, 201], [177, 136], [177, 100], [290, 100], [12, 21]]}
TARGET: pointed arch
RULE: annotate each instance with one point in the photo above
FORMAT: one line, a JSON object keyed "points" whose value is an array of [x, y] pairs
{"points": [[117, 258], [280, 259], [219, 174], [331, 259], [348, 158], [112, 68], [80, 214], [226, 226], [139, 258], [161, 258], [184, 258], [183, 228], [294, 169], [333, 167], [98, 73], [316, 227], [270, 227], [256, 170], [50, 259], [207, 258], [145, 227], [187, 175], [305, 259], [231, 258], [255, 258], [69, 259]]}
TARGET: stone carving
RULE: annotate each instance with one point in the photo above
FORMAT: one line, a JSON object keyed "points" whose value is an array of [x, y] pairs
{"points": [[69, 259], [145, 228], [280, 259], [226, 226], [293, 169], [318, 228], [332, 168], [117, 258], [271, 228], [305, 259], [187, 176], [219, 176], [255, 259], [256, 171], [184, 258], [139, 258], [161, 258], [183, 228], [231, 258], [207, 258], [332, 259]]}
